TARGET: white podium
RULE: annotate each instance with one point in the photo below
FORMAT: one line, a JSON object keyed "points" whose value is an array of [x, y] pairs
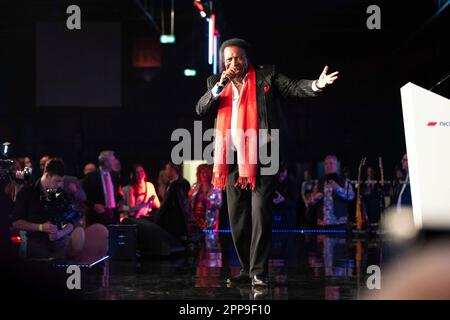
{"points": [[426, 118]]}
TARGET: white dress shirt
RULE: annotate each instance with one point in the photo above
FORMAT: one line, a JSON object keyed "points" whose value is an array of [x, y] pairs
{"points": [[399, 200], [110, 200]]}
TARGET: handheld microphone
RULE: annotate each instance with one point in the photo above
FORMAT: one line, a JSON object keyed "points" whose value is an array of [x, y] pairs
{"points": [[220, 88]]}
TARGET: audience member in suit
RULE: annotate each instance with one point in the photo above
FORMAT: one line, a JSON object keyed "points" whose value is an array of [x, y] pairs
{"points": [[102, 191], [173, 214], [402, 191]]}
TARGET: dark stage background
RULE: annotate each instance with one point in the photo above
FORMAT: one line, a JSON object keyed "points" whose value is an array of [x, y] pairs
{"points": [[360, 116]]}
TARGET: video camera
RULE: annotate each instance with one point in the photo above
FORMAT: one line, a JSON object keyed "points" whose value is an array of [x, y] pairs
{"points": [[8, 171], [61, 208]]}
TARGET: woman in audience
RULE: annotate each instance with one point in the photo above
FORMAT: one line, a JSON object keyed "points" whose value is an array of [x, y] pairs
{"points": [[142, 194], [204, 201]]}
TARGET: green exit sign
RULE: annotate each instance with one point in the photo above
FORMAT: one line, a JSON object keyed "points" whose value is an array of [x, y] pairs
{"points": [[190, 72], [167, 38]]}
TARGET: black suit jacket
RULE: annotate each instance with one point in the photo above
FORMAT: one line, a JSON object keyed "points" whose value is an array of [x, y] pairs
{"points": [[92, 185], [173, 214], [406, 196], [271, 88]]}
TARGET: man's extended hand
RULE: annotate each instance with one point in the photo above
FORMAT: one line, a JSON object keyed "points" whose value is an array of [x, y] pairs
{"points": [[325, 79]]}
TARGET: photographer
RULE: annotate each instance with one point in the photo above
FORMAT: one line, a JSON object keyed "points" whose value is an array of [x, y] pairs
{"points": [[32, 214]]}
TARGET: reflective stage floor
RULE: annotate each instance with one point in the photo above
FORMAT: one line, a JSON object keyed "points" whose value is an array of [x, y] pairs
{"points": [[307, 265]]}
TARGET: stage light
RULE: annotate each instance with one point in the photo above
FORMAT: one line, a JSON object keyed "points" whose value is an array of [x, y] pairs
{"points": [[5, 150], [203, 14], [215, 52], [211, 32], [16, 239], [167, 38], [190, 72]]}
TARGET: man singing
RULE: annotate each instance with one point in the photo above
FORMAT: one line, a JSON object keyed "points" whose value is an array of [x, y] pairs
{"points": [[244, 99]]}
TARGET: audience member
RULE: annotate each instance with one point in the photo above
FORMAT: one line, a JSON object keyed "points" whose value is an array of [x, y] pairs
{"points": [[173, 215], [88, 168], [331, 198], [142, 194], [285, 200], [102, 191], [204, 201], [402, 192]]}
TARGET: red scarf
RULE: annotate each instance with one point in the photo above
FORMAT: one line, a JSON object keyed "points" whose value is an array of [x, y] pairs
{"points": [[246, 145]]}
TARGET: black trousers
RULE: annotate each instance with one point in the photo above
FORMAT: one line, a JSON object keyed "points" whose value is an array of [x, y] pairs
{"points": [[250, 213]]}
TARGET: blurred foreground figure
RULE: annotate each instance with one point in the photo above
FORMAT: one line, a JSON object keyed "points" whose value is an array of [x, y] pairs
{"points": [[422, 275]]}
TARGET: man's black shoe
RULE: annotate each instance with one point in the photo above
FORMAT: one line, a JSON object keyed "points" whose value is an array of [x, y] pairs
{"points": [[260, 281], [239, 280], [259, 293]]}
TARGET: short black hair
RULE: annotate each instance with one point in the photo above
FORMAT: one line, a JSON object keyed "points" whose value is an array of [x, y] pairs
{"points": [[55, 167], [234, 42]]}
